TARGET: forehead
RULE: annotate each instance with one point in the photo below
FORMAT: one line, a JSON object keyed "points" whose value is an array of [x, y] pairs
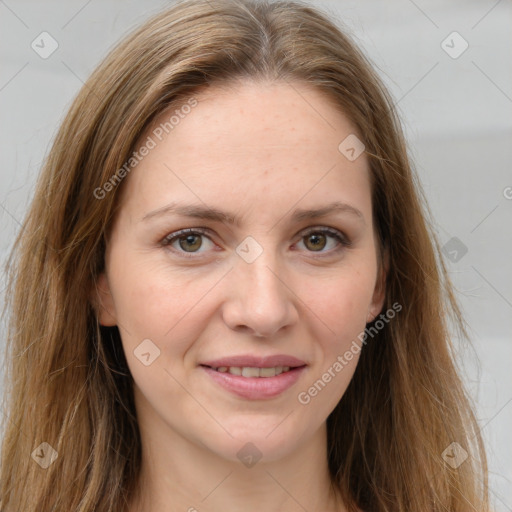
{"points": [[245, 142]]}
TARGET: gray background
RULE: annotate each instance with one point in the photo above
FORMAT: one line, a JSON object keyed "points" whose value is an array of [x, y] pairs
{"points": [[457, 114]]}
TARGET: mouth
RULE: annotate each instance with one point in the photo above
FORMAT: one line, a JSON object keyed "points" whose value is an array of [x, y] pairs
{"points": [[253, 371], [254, 382]]}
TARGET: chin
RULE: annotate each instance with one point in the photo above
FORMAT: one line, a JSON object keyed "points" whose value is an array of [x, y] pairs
{"points": [[266, 438]]}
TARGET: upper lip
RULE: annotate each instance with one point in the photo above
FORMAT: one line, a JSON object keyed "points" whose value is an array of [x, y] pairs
{"points": [[253, 361]]}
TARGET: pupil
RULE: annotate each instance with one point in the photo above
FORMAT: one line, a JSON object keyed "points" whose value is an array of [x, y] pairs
{"points": [[317, 241], [189, 239]]}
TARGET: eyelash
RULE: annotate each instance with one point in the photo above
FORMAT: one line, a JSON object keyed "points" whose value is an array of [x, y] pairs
{"points": [[334, 233]]}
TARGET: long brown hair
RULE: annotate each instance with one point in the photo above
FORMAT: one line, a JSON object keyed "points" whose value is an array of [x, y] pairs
{"points": [[67, 381]]}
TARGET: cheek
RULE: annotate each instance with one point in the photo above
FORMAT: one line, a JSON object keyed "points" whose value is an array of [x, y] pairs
{"points": [[153, 302], [340, 301], [338, 307]]}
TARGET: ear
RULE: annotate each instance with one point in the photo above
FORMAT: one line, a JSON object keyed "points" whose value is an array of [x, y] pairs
{"points": [[379, 293], [104, 302]]}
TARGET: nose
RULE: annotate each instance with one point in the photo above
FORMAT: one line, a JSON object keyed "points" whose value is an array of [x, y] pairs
{"points": [[261, 302]]}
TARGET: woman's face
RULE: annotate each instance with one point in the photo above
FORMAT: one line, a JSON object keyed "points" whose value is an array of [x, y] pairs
{"points": [[260, 282]]}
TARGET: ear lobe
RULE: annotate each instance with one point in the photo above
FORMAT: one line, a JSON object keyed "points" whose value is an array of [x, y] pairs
{"points": [[104, 302], [379, 293]]}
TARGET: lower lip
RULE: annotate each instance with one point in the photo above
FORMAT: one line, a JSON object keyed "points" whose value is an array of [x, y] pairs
{"points": [[255, 388]]}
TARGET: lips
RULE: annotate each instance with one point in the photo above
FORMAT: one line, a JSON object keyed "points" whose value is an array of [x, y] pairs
{"points": [[255, 378]]}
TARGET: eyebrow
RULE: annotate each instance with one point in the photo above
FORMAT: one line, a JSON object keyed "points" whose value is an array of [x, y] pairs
{"points": [[214, 214]]}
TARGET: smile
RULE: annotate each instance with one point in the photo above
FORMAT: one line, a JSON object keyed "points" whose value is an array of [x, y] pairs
{"points": [[250, 371], [254, 383]]}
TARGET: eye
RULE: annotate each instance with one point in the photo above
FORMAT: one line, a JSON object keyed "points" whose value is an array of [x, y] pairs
{"points": [[316, 239], [187, 241]]}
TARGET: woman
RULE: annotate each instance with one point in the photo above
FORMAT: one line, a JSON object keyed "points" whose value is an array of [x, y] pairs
{"points": [[226, 294]]}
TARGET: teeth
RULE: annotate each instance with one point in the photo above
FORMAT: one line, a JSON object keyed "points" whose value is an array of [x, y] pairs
{"points": [[267, 372], [248, 371]]}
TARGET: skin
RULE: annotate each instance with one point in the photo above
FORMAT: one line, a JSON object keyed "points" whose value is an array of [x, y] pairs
{"points": [[258, 151]]}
